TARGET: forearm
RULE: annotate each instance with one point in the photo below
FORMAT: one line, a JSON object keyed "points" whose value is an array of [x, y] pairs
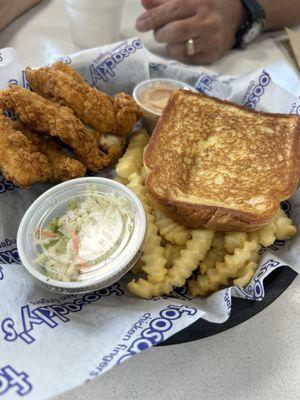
{"points": [[11, 9], [281, 13]]}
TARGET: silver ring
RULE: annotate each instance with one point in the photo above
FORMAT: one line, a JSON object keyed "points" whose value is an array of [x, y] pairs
{"points": [[190, 47]]}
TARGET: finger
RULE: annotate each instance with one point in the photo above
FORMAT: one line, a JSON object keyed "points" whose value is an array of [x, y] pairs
{"points": [[204, 43], [177, 31], [202, 58], [166, 12], [180, 51], [152, 3]]}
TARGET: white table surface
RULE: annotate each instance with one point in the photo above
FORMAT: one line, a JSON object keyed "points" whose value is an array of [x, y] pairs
{"points": [[257, 360]]}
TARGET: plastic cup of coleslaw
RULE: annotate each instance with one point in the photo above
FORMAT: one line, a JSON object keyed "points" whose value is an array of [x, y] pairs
{"points": [[82, 235], [153, 95]]}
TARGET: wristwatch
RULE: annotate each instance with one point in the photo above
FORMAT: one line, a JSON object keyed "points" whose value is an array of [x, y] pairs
{"points": [[254, 24]]}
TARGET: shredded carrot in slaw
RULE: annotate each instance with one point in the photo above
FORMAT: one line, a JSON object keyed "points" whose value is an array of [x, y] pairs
{"points": [[75, 242], [45, 233]]}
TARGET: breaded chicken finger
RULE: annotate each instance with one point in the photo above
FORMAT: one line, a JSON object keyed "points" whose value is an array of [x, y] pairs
{"points": [[93, 107], [43, 116], [112, 145], [63, 166], [128, 113], [21, 161], [60, 66]]}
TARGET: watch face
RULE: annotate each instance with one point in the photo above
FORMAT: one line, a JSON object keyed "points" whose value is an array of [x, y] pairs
{"points": [[253, 32]]}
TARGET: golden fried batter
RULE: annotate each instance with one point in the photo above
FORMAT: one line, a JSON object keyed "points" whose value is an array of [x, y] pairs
{"points": [[21, 161], [128, 113], [60, 66], [112, 145], [43, 116], [61, 83], [93, 107], [63, 166]]}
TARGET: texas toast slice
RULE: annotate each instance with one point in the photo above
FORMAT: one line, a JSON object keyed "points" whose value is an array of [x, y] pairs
{"points": [[218, 165]]}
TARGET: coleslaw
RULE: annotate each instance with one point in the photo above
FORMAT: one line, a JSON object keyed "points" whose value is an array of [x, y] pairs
{"points": [[87, 235]]}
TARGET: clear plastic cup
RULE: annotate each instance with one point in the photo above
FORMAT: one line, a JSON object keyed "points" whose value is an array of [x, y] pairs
{"points": [[110, 242], [94, 23], [160, 90]]}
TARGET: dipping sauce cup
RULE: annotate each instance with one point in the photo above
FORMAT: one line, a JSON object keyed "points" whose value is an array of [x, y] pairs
{"points": [[153, 95]]}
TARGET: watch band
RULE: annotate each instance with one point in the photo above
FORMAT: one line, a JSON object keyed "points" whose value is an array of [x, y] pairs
{"points": [[255, 15], [254, 10]]}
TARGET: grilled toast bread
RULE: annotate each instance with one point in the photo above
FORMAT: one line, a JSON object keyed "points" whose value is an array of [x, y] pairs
{"points": [[214, 164]]}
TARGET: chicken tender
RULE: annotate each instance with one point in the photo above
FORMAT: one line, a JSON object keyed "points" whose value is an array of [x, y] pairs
{"points": [[63, 84], [43, 116], [60, 66], [93, 107], [63, 166], [21, 161], [112, 145], [128, 113]]}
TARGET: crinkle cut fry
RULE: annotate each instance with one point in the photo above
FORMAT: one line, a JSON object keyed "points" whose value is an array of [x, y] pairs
{"points": [[21, 161], [234, 240], [153, 253], [170, 230], [172, 251], [221, 274], [93, 107], [266, 236], [214, 254], [285, 229], [218, 241], [246, 274], [63, 166], [222, 244], [194, 251], [132, 160], [212, 257], [43, 116], [280, 228]]}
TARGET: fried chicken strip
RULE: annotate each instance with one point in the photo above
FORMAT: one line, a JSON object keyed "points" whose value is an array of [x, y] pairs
{"points": [[128, 113], [127, 110], [63, 166], [61, 66], [21, 161], [62, 85], [43, 116], [112, 145]]}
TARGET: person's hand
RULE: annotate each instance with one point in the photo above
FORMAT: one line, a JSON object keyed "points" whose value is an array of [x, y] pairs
{"points": [[11, 9], [211, 23]]}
